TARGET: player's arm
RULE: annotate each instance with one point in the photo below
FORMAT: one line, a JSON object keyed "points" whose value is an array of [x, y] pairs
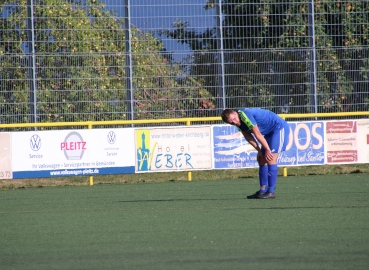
{"points": [[268, 154], [251, 140]]}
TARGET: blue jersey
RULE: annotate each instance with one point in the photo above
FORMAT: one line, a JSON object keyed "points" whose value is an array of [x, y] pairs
{"points": [[267, 121]]}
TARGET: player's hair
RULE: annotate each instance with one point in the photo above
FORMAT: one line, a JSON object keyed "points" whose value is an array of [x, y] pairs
{"points": [[225, 114]]}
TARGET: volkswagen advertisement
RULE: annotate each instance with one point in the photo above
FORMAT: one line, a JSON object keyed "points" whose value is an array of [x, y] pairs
{"points": [[39, 154]]}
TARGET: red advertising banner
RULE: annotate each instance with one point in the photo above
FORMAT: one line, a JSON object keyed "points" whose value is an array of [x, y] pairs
{"points": [[346, 156], [341, 141]]}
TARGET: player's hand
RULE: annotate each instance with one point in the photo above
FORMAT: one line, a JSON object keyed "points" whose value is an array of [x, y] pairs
{"points": [[268, 155]]}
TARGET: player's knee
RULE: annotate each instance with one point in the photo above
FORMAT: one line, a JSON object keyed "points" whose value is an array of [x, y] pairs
{"points": [[262, 161]]}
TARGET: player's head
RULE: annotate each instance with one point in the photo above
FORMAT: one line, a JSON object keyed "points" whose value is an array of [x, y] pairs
{"points": [[231, 117]]}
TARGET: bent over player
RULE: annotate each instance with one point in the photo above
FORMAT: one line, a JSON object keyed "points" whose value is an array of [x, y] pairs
{"points": [[266, 128]]}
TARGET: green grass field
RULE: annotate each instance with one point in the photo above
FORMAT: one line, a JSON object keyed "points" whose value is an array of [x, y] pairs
{"points": [[316, 222]]}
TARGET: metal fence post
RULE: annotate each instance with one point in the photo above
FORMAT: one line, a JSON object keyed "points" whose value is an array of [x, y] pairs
{"points": [[91, 178], [128, 42], [189, 174], [221, 80], [32, 62], [311, 27]]}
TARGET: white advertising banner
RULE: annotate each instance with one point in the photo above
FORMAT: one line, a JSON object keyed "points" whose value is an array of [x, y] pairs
{"points": [[37, 154], [5, 156], [363, 140], [173, 149]]}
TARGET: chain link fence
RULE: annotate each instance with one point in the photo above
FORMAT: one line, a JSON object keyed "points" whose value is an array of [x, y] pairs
{"points": [[90, 60]]}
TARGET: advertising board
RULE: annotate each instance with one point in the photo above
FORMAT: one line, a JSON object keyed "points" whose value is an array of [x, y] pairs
{"points": [[173, 149], [305, 147], [59, 153], [5, 156]]}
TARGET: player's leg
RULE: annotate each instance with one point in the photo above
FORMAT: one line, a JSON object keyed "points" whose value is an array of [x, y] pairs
{"points": [[272, 173], [263, 173], [263, 177], [276, 142]]}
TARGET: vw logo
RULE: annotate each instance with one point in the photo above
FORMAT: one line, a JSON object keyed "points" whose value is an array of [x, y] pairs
{"points": [[111, 137], [35, 142]]}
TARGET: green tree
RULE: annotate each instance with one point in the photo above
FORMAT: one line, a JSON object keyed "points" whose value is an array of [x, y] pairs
{"points": [[80, 66], [268, 55], [351, 38]]}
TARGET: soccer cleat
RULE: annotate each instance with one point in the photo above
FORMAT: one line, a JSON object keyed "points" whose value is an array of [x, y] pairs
{"points": [[267, 195], [255, 196]]}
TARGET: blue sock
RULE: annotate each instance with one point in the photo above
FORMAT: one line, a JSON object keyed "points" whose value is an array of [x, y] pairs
{"points": [[263, 176], [272, 177]]}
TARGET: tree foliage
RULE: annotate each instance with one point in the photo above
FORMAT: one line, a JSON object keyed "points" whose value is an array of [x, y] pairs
{"points": [[81, 66], [269, 58]]}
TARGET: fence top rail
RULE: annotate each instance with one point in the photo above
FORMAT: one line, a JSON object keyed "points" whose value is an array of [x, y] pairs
{"points": [[171, 120], [312, 115]]}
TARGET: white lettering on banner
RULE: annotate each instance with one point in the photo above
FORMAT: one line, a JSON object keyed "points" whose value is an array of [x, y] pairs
{"points": [[234, 165], [290, 141], [317, 136], [75, 172], [283, 158], [311, 157], [294, 137]]}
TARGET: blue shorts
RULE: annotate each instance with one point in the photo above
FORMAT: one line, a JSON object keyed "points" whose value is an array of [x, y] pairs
{"points": [[277, 140]]}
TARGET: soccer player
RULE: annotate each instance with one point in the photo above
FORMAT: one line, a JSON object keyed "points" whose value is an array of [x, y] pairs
{"points": [[268, 134]]}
